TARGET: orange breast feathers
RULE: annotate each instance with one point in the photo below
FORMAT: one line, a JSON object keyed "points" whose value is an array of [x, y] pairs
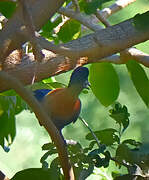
{"points": [[62, 107]]}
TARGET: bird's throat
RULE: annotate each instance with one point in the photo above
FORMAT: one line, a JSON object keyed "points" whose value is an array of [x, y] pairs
{"points": [[75, 90]]}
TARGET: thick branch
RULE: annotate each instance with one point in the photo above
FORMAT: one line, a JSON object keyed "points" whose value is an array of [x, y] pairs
{"points": [[102, 43], [88, 49], [43, 118], [54, 65]]}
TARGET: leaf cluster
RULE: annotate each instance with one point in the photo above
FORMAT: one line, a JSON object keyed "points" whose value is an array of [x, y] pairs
{"points": [[10, 105], [99, 151], [106, 86]]}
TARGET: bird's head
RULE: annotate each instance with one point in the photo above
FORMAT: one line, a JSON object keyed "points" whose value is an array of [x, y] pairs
{"points": [[79, 78]]}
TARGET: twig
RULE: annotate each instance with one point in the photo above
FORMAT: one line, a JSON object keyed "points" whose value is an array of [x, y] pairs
{"points": [[13, 35], [43, 118], [102, 18], [95, 137], [117, 6], [99, 144], [120, 163], [37, 51], [27, 17], [135, 54], [131, 53], [79, 17], [76, 5]]}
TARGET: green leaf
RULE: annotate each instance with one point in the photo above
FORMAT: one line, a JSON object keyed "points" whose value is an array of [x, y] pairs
{"points": [[132, 142], [49, 80], [98, 151], [55, 164], [51, 150], [9, 93], [10, 105], [7, 128], [140, 21], [124, 153], [115, 174], [70, 30], [139, 79], [99, 162], [104, 82], [90, 147], [55, 85], [126, 176], [44, 157], [74, 149], [49, 26], [38, 174], [40, 85], [104, 135], [48, 146], [20, 105], [82, 4], [92, 6], [120, 114], [7, 8]]}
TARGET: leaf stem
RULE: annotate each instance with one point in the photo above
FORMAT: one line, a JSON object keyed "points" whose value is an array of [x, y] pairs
{"points": [[99, 144], [95, 137]]}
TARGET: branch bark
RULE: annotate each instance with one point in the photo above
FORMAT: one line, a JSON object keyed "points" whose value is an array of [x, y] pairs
{"points": [[79, 17], [103, 43], [88, 49], [27, 19], [2, 176], [43, 118], [117, 6], [14, 33]]}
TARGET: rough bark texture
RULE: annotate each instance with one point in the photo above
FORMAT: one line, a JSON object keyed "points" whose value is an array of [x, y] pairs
{"points": [[14, 34], [88, 49]]}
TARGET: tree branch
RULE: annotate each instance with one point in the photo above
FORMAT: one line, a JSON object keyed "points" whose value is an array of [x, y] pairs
{"points": [[79, 17], [76, 5], [27, 17], [102, 43], [135, 54], [102, 18], [43, 118], [88, 49], [117, 6], [2, 176], [54, 65], [13, 35]]}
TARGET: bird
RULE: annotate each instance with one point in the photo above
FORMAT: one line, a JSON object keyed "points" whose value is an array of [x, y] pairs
{"points": [[63, 104]]}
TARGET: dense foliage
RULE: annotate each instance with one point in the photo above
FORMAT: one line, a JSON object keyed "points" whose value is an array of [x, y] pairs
{"points": [[104, 145]]}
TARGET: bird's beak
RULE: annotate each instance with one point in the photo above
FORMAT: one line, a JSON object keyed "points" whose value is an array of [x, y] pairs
{"points": [[86, 85]]}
